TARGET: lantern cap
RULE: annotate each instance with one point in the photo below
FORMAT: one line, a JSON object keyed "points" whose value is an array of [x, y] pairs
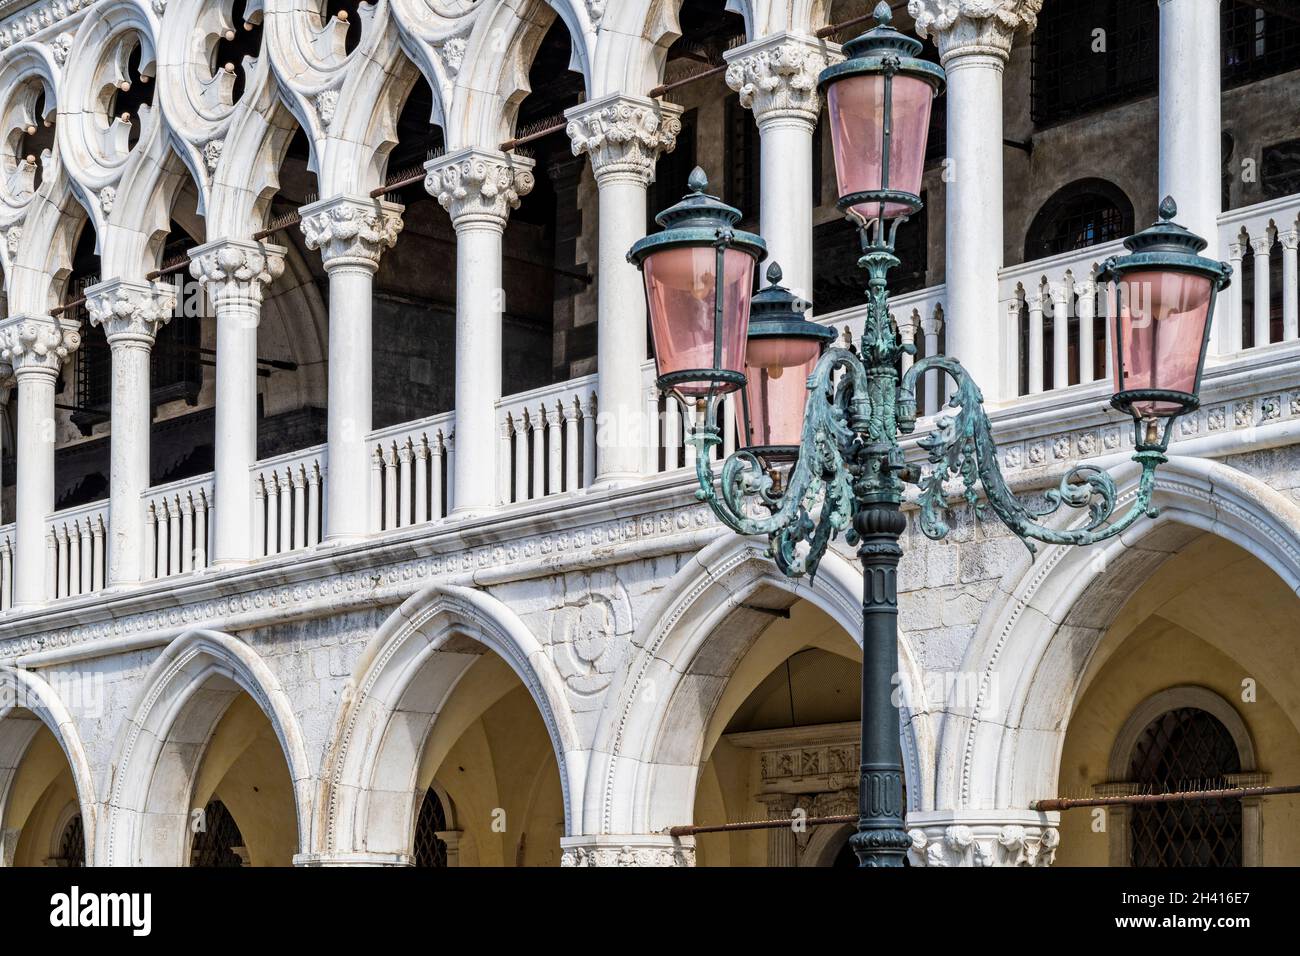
{"points": [[775, 311], [883, 49], [1166, 245], [700, 219]]}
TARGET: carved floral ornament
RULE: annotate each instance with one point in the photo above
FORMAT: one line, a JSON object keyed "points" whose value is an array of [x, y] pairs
{"points": [[351, 228], [237, 269], [779, 80], [623, 134], [980, 26], [131, 312], [962, 845], [37, 343], [478, 184]]}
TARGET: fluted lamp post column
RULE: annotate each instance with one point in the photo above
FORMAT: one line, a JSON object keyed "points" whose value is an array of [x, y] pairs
{"points": [[839, 466], [130, 313], [236, 274]]}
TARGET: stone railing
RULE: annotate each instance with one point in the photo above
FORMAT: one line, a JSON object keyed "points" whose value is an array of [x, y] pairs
{"points": [[288, 492], [667, 449], [411, 471], [1260, 243], [178, 527], [76, 549], [548, 440]]}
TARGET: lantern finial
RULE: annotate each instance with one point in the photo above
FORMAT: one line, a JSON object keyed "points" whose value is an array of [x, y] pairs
{"points": [[1168, 209], [883, 14], [697, 182], [774, 274]]}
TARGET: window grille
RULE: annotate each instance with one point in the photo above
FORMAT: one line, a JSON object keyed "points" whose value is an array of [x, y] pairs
{"points": [[1256, 43], [72, 845], [429, 850], [1185, 749], [219, 844], [1085, 213]]}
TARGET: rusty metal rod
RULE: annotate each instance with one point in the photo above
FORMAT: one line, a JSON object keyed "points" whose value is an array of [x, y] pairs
{"points": [[760, 825], [1141, 799], [542, 133], [833, 28]]}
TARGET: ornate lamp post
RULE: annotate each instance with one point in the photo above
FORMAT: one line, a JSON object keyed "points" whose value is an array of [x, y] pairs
{"points": [[848, 471]]}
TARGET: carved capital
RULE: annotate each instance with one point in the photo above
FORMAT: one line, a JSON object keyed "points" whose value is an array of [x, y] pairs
{"points": [[476, 185], [131, 312], [776, 77], [235, 270], [36, 344], [983, 842], [622, 850], [623, 135], [351, 230], [974, 26]]}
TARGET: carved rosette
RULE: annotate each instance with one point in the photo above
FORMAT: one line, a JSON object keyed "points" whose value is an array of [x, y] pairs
{"points": [[776, 77], [983, 844], [36, 344], [624, 135], [974, 26], [609, 851], [236, 271], [131, 312], [476, 185], [351, 229]]}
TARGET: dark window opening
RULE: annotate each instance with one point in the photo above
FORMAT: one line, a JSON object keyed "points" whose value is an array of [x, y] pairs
{"points": [[244, 39], [346, 11], [218, 843], [139, 92], [72, 845], [429, 849], [743, 165], [1279, 173], [838, 283], [1084, 213]]}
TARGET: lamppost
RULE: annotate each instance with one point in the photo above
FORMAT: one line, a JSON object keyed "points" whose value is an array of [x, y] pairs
{"points": [[826, 458]]}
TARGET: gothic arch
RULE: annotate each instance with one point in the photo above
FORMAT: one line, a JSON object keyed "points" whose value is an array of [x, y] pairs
{"points": [[157, 756], [1004, 750], [370, 791], [652, 735], [25, 690]]}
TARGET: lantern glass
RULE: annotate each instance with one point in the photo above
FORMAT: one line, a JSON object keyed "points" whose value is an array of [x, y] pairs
{"points": [[857, 110], [776, 392], [1163, 320], [681, 289]]}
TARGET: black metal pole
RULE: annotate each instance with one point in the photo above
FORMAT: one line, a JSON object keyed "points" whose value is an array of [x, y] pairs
{"points": [[881, 839]]}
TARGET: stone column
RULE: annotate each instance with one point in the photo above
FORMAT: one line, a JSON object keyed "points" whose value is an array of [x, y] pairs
{"points": [[776, 77], [131, 314], [974, 39], [235, 273], [478, 188], [624, 136], [1191, 129], [618, 849], [351, 233], [34, 347], [983, 838]]}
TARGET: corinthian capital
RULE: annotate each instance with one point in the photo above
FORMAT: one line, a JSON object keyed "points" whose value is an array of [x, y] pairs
{"points": [[973, 26], [478, 185], [986, 841], [653, 850], [351, 230], [36, 343], [236, 270], [131, 312], [624, 135], [776, 77]]}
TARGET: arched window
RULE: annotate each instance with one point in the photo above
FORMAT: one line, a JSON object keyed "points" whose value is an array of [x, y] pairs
{"points": [[72, 844], [1084, 213], [1185, 748], [219, 843], [429, 849]]}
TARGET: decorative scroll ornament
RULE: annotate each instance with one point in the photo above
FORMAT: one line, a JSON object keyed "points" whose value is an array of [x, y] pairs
{"points": [[778, 79], [352, 228], [477, 184], [131, 312], [37, 343], [624, 134]]}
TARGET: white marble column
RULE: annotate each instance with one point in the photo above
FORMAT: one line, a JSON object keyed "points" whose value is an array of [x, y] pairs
{"points": [[34, 347], [235, 273], [776, 77], [624, 136], [131, 314], [351, 233], [478, 188], [975, 39], [1190, 125]]}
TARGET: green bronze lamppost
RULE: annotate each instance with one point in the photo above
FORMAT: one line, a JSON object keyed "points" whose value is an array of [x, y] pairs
{"points": [[820, 444]]}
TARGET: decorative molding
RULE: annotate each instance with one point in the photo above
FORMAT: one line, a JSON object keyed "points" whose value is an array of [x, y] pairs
{"points": [[983, 844], [776, 77], [624, 135], [37, 343], [477, 185], [351, 229], [36, 18], [131, 312], [961, 27], [623, 850], [235, 270]]}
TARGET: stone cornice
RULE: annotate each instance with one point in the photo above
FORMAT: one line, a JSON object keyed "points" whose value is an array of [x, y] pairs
{"points": [[624, 135], [479, 186], [236, 271], [37, 343], [23, 19], [962, 27], [776, 77], [351, 230], [131, 312]]}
